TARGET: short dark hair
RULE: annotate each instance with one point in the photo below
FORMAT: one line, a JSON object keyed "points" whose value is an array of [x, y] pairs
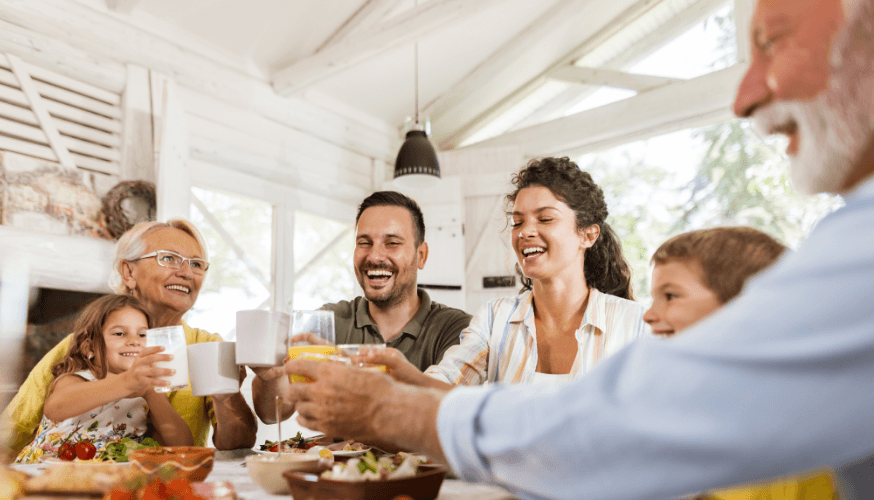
{"points": [[729, 256], [395, 199]]}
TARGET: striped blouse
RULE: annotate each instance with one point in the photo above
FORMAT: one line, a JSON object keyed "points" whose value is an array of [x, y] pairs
{"points": [[501, 342]]}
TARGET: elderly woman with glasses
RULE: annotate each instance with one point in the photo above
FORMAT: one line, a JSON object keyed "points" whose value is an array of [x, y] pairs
{"points": [[163, 265]]}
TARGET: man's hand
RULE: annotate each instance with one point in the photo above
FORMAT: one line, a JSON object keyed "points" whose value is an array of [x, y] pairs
{"points": [[310, 338], [343, 401], [367, 406]]}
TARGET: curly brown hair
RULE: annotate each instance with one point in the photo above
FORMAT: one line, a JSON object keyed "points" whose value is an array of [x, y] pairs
{"points": [[605, 267], [88, 336]]}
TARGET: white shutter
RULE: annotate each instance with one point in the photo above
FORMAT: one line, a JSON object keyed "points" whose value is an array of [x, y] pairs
{"points": [[57, 118]]}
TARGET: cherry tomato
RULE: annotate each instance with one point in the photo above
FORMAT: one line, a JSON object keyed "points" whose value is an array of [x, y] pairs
{"points": [[275, 448], [85, 450], [67, 452]]}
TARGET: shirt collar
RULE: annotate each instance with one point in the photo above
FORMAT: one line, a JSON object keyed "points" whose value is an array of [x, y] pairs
{"points": [[595, 315], [412, 328]]}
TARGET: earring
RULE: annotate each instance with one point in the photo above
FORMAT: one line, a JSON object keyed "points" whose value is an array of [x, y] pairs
{"points": [[91, 356]]}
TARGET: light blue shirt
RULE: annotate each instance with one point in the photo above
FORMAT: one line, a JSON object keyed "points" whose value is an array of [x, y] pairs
{"points": [[779, 381]]}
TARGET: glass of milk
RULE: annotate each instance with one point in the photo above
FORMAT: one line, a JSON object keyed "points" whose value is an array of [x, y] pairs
{"points": [[172, 338]]}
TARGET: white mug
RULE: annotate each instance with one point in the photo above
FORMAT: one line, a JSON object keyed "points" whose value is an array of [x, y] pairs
{"points": [[262, 337], [212, 368]]}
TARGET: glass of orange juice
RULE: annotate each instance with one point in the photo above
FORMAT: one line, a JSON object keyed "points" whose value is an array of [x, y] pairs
{"points": [[350, 350], [320, 347]]}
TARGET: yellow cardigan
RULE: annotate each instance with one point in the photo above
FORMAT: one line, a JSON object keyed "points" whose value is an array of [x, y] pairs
{"points": [[20, 419]]}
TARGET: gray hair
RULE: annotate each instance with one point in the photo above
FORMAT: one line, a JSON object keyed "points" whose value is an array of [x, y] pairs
{"points": [[132, 244]]}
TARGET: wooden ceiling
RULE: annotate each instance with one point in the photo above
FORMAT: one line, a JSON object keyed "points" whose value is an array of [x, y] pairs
{"points": [[477, 58]]}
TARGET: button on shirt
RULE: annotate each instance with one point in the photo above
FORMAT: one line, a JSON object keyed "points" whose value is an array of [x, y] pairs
{"points": [[501, 342], [778, 381], [434, 329]]}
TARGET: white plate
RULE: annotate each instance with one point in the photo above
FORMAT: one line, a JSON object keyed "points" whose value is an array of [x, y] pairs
{"points": [[56, 460], [344, 454], [356, 453]]}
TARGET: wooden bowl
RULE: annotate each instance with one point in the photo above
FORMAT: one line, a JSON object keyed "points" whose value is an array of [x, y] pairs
{"points": [[423, 486], [186, 462]]}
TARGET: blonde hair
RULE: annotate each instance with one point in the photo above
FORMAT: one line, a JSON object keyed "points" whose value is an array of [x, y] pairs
{"points": [[132, 244]]}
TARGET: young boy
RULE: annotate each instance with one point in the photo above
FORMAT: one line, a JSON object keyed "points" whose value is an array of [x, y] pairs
{"points": [[696, 273]]}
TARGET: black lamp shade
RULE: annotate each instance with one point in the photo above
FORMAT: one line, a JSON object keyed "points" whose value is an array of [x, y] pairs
{"points": [[417, 161]]}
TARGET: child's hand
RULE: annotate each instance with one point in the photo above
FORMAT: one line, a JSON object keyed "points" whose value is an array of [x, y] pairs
{"points": [[143, 377]]}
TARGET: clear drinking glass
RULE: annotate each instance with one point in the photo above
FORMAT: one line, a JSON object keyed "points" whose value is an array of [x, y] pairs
{"points": [[172, 338], [322, 348]]}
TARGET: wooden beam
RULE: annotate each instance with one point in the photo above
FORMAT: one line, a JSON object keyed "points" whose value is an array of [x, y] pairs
{"points": [[743, 13], [681, 22], [369, 14], [650, 113], [122, 6], [42, 114], [451, 140], [400, 30], [611, 78], [502, 58]]}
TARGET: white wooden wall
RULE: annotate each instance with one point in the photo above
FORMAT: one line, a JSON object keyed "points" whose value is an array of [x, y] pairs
{"points": [[234, 119], [487, 251]]}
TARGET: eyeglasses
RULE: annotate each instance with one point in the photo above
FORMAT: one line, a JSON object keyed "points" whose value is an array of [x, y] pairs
{"points": [[173, 260]]}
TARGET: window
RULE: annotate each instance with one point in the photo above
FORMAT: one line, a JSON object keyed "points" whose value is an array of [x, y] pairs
{"points": [[239, 233], [323, 270], [723, 174]]}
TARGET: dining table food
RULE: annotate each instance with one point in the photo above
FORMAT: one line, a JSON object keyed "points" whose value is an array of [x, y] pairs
{"points": [[172, 489], [80, 478]]}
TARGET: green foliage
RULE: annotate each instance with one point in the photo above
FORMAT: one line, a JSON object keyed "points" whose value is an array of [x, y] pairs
{"points": [[736, 179]]}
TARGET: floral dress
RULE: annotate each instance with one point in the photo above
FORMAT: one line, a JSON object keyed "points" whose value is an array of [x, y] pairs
{"points": [[125, 418]]}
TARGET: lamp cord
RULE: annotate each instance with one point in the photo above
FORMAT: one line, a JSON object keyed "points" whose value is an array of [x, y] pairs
{"points": [[416, 67]]}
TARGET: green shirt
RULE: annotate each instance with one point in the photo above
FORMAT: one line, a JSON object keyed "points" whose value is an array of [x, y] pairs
{"points": [[434, 329]]}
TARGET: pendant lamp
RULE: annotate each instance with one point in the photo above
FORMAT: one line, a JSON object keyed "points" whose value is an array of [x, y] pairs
{"points": [[416, 166]]}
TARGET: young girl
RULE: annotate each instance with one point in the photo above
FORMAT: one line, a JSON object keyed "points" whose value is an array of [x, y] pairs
{"points": [[104, 388]]}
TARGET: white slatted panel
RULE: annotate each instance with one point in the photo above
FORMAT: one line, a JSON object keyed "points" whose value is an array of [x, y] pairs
{"points": [[88, 119]]}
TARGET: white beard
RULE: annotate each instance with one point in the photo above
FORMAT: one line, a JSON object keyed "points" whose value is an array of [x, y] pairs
{"points": [[834, 129]]}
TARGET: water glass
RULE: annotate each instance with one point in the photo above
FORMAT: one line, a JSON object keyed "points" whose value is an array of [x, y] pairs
{"points": [[172, 339]]}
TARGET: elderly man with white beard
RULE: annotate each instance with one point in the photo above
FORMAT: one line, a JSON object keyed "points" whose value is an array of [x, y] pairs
{"points": [[777, 382]]}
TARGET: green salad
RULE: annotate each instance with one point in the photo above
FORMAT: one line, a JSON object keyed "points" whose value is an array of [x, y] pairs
{"points": [[118, 450]]}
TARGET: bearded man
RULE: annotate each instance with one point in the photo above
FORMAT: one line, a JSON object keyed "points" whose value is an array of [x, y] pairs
{"points": [[776, 382], [390, 248]]}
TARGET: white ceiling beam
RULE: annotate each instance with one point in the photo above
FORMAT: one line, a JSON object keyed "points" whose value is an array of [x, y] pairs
{"points": [[505, 56], [662, 110], [642, 48], [450, 140], [743, 13], [611, 78], [395, 32], [372, 12], [122, 6]]}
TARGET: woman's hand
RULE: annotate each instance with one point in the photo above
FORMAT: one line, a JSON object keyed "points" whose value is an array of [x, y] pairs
{"points": [[398, 367], [142, 376]]}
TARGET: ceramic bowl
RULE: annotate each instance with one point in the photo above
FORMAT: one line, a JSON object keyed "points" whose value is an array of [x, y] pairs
{"points": [[186, 462], [267, 470], [423, 486]]}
